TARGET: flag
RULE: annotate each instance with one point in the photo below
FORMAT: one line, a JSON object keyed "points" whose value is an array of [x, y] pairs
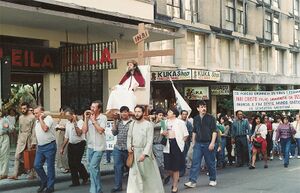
{"points": [[180, 102]]}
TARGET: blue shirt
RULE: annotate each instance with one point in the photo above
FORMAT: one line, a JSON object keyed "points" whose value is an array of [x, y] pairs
{"points": [[240, 128]]}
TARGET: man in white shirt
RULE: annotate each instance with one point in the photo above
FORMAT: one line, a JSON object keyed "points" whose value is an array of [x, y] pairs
{"points": [[75, 140], [94, 128], [46, 150]]}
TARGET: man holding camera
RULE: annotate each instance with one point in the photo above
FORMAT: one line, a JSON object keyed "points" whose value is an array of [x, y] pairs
{"points": [[46, 150], [94, 128]]}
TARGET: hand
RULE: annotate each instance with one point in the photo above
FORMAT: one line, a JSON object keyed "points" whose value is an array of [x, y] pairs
{"points": [[61, 151], [33, 146], [116, 116], [165, 133], [87, 113], [211, 147], [42, 116], [219, 149], [142, 158], [130, 150]]}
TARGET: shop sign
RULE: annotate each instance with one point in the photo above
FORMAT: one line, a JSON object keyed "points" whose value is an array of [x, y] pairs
{"points": [[266, 100], [140, 36], [172, 74], [30, 58], [196, 93], [206, 75], [96, 56], [220, 90]]}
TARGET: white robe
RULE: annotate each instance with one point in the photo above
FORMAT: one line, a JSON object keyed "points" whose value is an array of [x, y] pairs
{"points": [[123, 95]]}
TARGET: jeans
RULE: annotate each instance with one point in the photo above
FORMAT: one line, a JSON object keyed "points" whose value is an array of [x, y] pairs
{"points": [[94, 158], [221, 155], [46, 153], [285, 148], [120, 157], [298, 145], [292, 149], [108, 155], [200, 150]]}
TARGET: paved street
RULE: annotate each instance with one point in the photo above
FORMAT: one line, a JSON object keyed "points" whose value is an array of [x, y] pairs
{"points": [[275, 179]]}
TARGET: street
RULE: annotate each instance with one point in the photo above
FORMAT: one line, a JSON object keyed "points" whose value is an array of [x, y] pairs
{"points": [[275, 179]]}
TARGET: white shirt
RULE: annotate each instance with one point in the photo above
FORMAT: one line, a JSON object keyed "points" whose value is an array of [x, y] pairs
{"points": [[274, 127], [43, 137], [262, 129], [297, 128], [181, 131], [95, 140], [71, 132]]}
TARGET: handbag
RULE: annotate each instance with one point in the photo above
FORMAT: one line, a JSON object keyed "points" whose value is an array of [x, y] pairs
{"points": [[130, 156], [29, 156], [256, 144]]}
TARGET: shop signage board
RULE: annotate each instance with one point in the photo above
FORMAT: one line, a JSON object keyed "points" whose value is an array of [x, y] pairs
{"points": [[186, 74], [86, 57], [266, 100], [31, 58], [197, 93], [220, 90], [140, 36]]}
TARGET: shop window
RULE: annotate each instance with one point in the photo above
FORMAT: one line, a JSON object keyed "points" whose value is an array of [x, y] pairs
{"points": [[173, 8]]}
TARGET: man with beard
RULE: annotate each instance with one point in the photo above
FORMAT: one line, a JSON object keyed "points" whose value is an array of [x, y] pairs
{"points": [[26, 139], [94, 128], [144, 175]]}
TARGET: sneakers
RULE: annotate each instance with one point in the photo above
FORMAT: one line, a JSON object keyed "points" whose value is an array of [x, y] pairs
{"points": [[212, 183], [298, 157], [280, 158], [292, 157], [271, 158], [190, 184]]}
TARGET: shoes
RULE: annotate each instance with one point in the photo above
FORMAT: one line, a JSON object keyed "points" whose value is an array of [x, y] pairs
{"points": [[280, 158], [298, 157], [266, 166], [85, 182], [41, 189], [285, 165], [212, 183], [190, 184], [166, 180], [174, 191], [49, 190], [271, 158], [251, 167], [13, 178], [3, 177], [73, 185], [63, 170], [292, 157], [116, 190]]}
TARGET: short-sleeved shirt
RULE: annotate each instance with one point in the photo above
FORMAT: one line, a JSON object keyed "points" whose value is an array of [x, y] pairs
{"points": [[71, 132], [95, 140], [43, 137], [204, 128]]}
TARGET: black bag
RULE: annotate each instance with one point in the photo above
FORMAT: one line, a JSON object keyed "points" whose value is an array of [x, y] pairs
{"points": [[163, 141], [293, 140], [256, 144]]}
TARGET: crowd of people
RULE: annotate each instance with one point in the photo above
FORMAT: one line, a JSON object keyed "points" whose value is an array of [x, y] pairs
{"points": [[164, 145]]}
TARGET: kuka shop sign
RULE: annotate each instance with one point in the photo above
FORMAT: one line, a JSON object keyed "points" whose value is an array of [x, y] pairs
{"points": [[187, 74], [96, 56], [30, 58]]}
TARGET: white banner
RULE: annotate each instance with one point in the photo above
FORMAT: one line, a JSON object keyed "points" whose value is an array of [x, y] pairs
{"points": [[266, 100], [110, 138]]}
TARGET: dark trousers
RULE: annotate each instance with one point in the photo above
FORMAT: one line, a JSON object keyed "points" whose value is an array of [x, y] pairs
{"points": [[75, 153], [242, 152], [229, 149], [269, 143]]}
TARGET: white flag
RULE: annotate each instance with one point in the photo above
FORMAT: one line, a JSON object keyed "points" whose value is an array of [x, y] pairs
{"points": [[180, 102]]}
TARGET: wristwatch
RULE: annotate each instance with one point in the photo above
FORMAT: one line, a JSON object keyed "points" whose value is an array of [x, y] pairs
{"points": [[93, 122]]}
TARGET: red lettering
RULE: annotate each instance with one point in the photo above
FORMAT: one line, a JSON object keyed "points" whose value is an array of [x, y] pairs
{"points": [[91, 61], [16, 57], [105, 56], [26, 58], [47, 62], [75, 57], [32, 62]]}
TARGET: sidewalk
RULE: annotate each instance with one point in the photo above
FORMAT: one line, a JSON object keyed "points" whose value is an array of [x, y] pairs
{"points": [[7, 184]]}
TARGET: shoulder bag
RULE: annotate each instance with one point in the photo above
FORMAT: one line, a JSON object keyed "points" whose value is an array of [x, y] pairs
{"points": [[130, 157]]}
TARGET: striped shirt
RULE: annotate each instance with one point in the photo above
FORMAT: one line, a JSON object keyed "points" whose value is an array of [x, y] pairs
{"points": [[240, 128], [121, 133]]}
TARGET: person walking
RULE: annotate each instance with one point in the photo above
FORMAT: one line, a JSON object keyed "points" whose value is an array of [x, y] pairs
{"points": [[46, 150], [120, 153], [26, 139], [144, 175], [296, 125], [240, 137], [75, 141], [284, 133], [5, 145], [203, 141], [94, 128], [176, 134]]}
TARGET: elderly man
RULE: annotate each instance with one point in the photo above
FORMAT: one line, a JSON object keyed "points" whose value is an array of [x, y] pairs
{"points": [[46, 150]]}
